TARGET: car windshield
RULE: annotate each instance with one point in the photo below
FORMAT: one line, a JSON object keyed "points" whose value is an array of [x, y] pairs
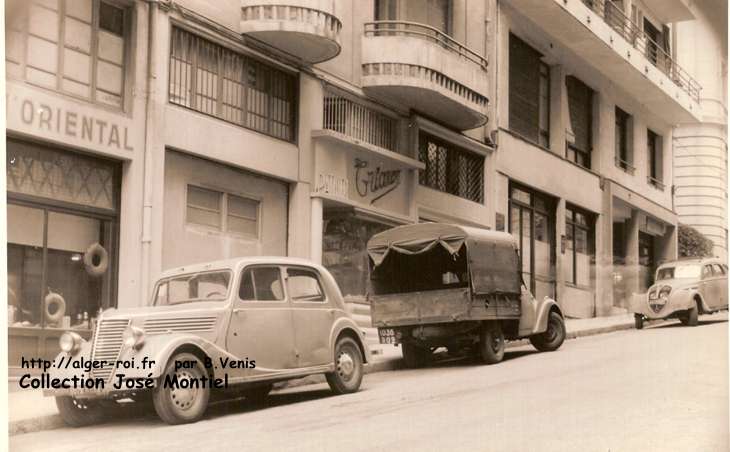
{"points": [[680, 271], [207, 286]]}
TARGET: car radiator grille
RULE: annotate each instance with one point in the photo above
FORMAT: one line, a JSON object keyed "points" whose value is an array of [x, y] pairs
{"points": [[107, 346], [179, 325]]}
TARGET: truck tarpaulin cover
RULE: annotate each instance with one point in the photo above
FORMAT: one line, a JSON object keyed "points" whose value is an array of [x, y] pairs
{"points": [[492, 256]]}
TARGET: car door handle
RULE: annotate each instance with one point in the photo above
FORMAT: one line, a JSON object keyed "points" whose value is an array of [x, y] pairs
{"points": [[240, 312]]}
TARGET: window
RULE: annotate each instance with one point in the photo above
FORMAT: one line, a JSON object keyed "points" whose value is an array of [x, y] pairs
{"points": [[261, 284], [706, 271], [580, 106], [211, 79], [656, 161], [450, 169], [74, 46], [718, 270], [580, 250], [303, 285], [223, 211], [435, 13], [622, 142], [529, 93], [208, 286]]}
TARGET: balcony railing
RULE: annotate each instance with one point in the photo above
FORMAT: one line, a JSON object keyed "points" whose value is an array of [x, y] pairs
{"points": [[624, 165], [640, 40], [426, 32], [355, 120], [659, 185]]}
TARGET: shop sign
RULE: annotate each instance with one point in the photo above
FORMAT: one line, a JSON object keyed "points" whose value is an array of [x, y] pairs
{"points": [[373, 182], [45, 116], [332, 185]]}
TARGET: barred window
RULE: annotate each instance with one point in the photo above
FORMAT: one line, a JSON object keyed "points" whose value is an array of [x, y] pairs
{"points": [[211, 79], [450, 169]]}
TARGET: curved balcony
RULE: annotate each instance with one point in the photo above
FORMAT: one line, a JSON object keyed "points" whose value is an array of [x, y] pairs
{"points": [[307, 29], [418, 66]]}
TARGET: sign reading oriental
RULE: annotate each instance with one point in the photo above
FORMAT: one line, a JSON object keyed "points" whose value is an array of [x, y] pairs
{"points": [[364, 179]]}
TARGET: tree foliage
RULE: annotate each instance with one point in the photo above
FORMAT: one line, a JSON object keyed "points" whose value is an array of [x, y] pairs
{"points": [[692, 243]]}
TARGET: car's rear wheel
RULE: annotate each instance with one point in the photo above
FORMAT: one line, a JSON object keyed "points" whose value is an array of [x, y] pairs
{"points": [[553, 337], [491, 343], [178, 405], [348, 367], [80, 412], [638, 321], [414, 356]]}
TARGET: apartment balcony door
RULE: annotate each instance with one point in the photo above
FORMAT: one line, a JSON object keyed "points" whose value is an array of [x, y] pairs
{"points": [[532, 223]]}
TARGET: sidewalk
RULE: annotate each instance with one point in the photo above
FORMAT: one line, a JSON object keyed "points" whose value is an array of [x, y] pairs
{"points": [[29, 411]]}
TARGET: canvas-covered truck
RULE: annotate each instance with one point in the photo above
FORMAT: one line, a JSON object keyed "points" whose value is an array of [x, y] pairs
{"points": [[441, 285]]}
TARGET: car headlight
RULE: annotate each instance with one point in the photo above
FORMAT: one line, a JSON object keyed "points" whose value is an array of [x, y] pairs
{"points": [[133, 337], [665, 291], [70, 342]]}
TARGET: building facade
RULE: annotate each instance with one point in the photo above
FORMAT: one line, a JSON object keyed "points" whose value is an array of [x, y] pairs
{"points": [[700, 149], [144, 136]]}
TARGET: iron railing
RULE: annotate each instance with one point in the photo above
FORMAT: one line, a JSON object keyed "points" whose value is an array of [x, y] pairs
{"points": [[450, 169], [624, 165], [425, 32], [615, 17], [655, 182], [358, 121]]}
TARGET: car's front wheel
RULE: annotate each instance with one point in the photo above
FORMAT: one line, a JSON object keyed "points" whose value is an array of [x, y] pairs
{"points": [[348, 367], [182, 404], [689, 317], [553, 337], [80, 412]]}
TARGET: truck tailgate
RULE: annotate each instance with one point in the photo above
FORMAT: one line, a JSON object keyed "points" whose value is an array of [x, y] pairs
{"points": [[414, 308]]}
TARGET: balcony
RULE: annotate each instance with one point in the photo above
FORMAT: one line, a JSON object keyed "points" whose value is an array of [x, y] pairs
{"points": [[306, 29], [604, 36], [419, 67]]}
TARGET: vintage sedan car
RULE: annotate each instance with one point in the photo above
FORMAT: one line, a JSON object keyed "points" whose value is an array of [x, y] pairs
{"points": [[683, 289], [244, 323]]}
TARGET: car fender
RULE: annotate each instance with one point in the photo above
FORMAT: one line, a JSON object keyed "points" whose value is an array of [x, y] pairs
{"points": [[543, 313], [345, 323]]}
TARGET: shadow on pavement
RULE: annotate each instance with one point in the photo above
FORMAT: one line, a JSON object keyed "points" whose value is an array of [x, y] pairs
{"points": [[678, 324]]}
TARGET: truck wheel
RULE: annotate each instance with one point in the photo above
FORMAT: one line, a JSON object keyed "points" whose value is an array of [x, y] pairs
{"points": [[257, 395], [80, 412], [553, 337], [638, 321], [491, 343], [348, 367], [178, 405], [414, 356]]}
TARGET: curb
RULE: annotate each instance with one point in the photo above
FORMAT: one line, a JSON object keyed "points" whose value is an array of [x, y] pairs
{"points": [[53, 421]]}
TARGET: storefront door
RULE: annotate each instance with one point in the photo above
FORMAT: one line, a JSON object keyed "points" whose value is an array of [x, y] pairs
{"points": [[532, 223]]}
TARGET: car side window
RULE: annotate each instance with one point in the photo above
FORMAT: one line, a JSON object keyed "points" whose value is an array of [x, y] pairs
{"points": [[706, 271], [303, 285], [718, 270], [261, 284]]}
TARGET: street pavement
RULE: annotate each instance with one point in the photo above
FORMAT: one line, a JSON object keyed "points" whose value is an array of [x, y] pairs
{"points": [[660, 389]]}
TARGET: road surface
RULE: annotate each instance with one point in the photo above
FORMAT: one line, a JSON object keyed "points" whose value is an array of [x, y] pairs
{"points": [[660, 389]]}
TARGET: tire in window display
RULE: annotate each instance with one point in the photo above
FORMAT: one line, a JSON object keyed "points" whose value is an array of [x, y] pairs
{"points": [[54, 316], [96, 260]]}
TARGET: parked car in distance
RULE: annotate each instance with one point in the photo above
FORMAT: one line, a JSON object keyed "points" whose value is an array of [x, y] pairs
{"points": [[252, 321], [442, 285], [683, 289]]}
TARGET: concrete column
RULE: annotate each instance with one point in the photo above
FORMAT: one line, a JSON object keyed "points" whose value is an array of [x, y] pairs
{"points": [[558, 111], [316, 230], [604, 133], [631, 274], [560, 276], [604, 242], [298, 231]]}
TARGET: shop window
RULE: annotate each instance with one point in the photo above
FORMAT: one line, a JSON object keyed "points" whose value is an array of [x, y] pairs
{"points": [[75, 46], [623, 141], [303, 285], [261, 284], [529, 93], [450, 169], [214, 80], [222, 211], [580, 135], [655, 152], [580, 255]]}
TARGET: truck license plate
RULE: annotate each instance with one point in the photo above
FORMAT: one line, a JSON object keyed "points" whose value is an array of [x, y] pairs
{"points": [[387, 335]]}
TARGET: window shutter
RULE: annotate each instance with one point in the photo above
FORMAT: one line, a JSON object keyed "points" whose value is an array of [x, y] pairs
{"points": [[524, 89], [580, 103]]}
